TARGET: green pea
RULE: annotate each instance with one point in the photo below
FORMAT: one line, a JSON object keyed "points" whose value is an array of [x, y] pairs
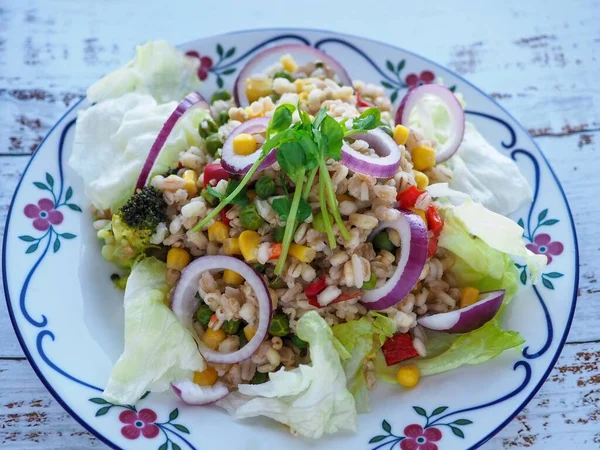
{"points": [[213, 144], [204, 314], [260, 268], [220, 95], [206, 128], [223, 118], [284, 74], [371, 283], [210, 199], [280, 325], [242, 336], [249, 217], [302, 345], [382, 242], [231, 326], [259, 378], [278, 234], [277, 283], [319, 224], [265, 187]]}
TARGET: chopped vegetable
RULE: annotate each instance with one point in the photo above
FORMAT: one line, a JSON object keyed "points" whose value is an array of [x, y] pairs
{"points": [[232, 278], [220, 95], [280, 325], [318, 222], [178, 258], [421, 179], [204, 314], [301, 344], [434, 221], [207, 377], [259, 378], [302, 253], [278, 234], [218, 232], [468, 296], [249, 332], [382, 241], [400, 134], [213, 338], [231, 326], [213, 144], [244, 144], [213, 173], [265, 187], [371, 283], [249, 217], [284, 74], [398, 348], [408, 197], [408, 376], [420, 213], [231, 246], [210, 199]]}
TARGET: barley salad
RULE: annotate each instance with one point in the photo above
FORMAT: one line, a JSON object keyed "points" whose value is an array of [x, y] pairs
{"points": [[284, 246]]}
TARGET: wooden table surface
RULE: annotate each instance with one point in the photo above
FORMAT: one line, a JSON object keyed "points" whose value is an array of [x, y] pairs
{"points": [[540, 59]]}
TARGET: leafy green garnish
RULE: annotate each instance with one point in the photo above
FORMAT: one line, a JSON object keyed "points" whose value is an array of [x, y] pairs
{"points": [[240, 199]]}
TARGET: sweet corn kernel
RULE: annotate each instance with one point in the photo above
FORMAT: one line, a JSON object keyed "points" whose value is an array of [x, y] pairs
{"points": [[213, 338], [303, 95], [423, 158], [218, 232], [249, 332], [233, 278], [302, 253], [207, 377], [288, 63], [191, 179], [344, 198], [401, 134], [257, 88], [421, 179], [408, 376], [468, 296], [421, 214], [253, 113], [177, 258], [299, 85], [244, 144], [249, 242], [231, 246]]}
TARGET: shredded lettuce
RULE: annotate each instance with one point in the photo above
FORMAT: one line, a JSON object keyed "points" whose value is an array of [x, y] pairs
{"points": [[158, 348], [158, 69], [359, 339], [312, 400], [113, 139], [475, 347], [482, 238]]}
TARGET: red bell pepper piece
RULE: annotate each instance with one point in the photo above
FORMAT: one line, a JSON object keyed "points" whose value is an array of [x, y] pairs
{"points": [[408, 197], [361, 102], [223, 215], [434, 221], [312, 290], [216, 173], [398, 348], [432, 246], [341, 298]]}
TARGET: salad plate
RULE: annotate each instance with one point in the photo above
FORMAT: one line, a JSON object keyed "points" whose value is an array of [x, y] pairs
{"points": [[68, 316]]}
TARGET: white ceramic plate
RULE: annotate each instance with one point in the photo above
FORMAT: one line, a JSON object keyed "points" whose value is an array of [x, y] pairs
{"points": [[68, 315]]}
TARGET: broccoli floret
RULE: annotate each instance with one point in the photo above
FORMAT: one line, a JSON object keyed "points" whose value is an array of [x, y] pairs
{"points": [[128, 234], [145, 209]]}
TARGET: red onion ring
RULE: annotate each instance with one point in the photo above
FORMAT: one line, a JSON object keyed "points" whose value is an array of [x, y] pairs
{"points": [[453, 107], [240, 164], [239, 90], [184, 303], [193, 394], [384, 166], [413, 243], [191, 101], [466, 319]]}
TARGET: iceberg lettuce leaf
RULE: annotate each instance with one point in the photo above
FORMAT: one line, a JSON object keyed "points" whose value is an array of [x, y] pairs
{"points": [[158, 348]]}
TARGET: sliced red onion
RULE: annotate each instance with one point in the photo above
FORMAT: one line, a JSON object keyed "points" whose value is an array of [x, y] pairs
{"points": [[191, 101], [453, 107], [413, 244], [466, 319], [184, 303], [383, 166], [240, 164], [193, 394], [239, 90]]}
